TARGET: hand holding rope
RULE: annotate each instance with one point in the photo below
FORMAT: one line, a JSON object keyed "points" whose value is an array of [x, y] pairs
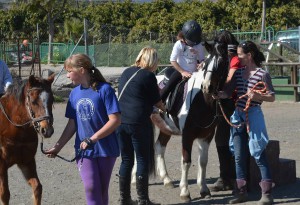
{"points": [[248, 103]]}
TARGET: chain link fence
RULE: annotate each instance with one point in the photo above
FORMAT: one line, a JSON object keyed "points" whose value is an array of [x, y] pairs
{"points": [[113, 46], [117, 46]]}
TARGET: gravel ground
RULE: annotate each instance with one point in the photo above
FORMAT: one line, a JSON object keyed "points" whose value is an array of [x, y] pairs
{"points": [[62, 184]]}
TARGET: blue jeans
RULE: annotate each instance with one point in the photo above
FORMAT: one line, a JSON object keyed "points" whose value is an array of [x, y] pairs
{"points": [[240, 143], [135, 139]]}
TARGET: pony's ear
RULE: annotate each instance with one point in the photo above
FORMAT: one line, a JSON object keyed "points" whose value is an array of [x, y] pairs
{"points": [[51, 78], [32, 81], [208, 47]]}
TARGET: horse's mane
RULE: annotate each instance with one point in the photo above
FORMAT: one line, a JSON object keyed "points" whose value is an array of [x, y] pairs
{"points": [[217, 50], [16, 89]]}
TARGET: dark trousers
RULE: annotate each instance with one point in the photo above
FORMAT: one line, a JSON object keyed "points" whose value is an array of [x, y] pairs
{"points": [[135, 139], [222, 135], [170, 86]]}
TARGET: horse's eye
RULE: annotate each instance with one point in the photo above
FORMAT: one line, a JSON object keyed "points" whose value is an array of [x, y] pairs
{"points": [[34, 102]]}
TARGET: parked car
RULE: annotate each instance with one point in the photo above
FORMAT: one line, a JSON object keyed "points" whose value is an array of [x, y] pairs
{"points": [[290, 37]]}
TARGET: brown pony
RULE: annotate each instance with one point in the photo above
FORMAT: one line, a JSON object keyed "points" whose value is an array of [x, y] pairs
{"points": [[25, 112]]}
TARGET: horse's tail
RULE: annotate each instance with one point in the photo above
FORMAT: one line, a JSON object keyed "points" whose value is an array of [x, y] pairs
{"points": [[151, 165]]}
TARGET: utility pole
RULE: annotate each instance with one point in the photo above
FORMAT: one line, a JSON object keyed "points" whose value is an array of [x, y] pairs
{"points": [[263, 20], [86, 45]]}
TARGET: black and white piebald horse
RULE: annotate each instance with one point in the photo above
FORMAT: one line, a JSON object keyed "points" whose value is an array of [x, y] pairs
{"points": [[196, 120]]}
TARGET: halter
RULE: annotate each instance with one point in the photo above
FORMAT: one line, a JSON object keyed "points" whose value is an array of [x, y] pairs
{"points": [[30, 111], [36, 120]]}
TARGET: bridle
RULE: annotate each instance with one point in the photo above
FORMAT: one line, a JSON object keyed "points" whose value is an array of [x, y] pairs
{"points": [[36, 120]]}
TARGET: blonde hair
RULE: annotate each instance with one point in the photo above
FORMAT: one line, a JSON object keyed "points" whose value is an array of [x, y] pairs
{"points": [[81, 60], [147, 58]]}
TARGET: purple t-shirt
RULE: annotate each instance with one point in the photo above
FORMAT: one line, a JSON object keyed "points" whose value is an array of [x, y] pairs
{"points": [[90, 110]]}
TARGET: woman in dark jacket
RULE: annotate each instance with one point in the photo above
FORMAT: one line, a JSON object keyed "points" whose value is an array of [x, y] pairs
{"points": [[138, 93]]}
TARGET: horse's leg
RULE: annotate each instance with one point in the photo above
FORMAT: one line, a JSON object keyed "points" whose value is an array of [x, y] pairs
{"points": [[185, 165], [4, 190], [160, 148], [202, 164], [30, 174]]}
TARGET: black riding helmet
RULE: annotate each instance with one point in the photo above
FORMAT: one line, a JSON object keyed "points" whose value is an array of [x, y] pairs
{"points": [[192, 32]]}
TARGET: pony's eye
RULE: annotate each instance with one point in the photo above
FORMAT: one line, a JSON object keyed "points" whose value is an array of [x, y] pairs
{"points": [[34, 102]]}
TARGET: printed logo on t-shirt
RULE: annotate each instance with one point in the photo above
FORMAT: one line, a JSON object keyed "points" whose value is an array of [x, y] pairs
{"points": [[190, 54], [85, 109]]}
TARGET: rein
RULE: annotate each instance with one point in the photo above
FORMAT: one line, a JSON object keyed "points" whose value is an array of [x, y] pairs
{"points": [[217, 115], [254, 89], [15, 124]]}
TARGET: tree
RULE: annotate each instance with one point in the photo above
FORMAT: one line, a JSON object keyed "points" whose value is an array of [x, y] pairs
{"points": [[53, 10]]}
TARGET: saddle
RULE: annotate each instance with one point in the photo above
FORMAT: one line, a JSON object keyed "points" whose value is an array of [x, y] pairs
{"points": [[176, 98]]}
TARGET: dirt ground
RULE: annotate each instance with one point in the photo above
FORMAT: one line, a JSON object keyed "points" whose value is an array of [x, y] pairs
{"points": [[62, 184]]}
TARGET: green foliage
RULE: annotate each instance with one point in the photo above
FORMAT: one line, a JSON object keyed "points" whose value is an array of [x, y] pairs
{"points": [[58, 99], [160, 16]]}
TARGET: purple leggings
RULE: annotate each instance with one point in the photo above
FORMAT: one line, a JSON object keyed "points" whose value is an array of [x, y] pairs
{"points": [[95, 174]]}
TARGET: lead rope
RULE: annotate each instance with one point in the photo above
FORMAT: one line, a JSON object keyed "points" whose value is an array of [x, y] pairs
{"points": [[80, 153], [254, 89]]}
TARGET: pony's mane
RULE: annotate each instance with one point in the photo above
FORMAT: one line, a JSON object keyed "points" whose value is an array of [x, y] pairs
{"points": [[16, 89]]}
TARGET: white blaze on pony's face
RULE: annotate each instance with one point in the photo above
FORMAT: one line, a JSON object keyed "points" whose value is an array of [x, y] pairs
{"points": [[39, 104], [47, 99], [215, 68], [208, 75]]}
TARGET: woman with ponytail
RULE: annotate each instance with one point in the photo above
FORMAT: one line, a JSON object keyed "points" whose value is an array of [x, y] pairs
{"points": [[94, 114], [253, 85]]}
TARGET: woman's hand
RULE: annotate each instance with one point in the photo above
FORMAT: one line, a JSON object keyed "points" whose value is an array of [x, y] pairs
{"points": [[52, 152], [255, 96], [220, 95], [200, 66], [186, 74]]}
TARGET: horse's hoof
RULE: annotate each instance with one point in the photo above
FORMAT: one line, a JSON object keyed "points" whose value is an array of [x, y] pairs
{"points": [[205, 195], [169, 185], [186, 199]]}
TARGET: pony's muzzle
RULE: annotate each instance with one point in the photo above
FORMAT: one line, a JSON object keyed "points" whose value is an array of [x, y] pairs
{"points": [[46, 129]]}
